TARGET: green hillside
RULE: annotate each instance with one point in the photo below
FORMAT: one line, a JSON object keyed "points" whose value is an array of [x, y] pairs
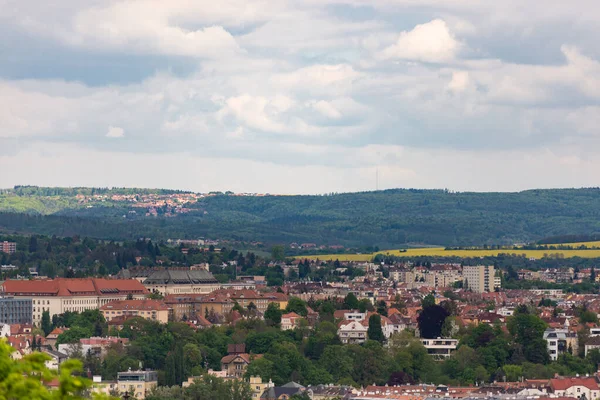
{"points": [[390, 218]]}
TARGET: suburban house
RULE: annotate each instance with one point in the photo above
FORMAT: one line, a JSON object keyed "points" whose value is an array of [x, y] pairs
{"points": [[353, 332], [236, 362], [289, 321]]}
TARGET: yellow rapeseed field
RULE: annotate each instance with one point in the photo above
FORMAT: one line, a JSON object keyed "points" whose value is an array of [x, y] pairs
{"points": [[441, 252]]}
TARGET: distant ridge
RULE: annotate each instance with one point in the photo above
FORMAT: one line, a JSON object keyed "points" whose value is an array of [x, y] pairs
{"points": [[387, 218]]}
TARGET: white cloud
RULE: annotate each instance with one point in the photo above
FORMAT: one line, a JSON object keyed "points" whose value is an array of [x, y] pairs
{"points": [[459, 81], [329, 87], [430, 42], [115, 132]]}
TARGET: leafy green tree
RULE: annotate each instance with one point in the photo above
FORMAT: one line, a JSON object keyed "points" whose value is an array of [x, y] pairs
{"points": [[24, 379], [278, 253], [365, 305], [273, 314], [350, 302], [46, 323], [374, 332], [297, 305], [382, 308], [431, 320], [428, 301]]}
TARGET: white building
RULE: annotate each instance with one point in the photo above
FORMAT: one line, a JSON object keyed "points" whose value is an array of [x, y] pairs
{"points": [[560, 341], [576, 387], [352, 332], [63, 294], [440, 348]]}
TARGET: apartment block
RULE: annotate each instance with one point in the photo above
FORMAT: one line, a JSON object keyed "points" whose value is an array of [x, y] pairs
{"points": [[479, 278]]}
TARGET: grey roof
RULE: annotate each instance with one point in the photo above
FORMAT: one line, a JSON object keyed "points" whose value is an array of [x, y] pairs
{"points": [[181, 277], [275, 392]]}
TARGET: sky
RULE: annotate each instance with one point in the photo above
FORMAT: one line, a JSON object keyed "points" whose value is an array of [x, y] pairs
{"points": [[300, 96]]}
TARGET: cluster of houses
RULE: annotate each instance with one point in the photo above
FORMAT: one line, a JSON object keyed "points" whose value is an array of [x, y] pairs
{"points": [[194, 296]]}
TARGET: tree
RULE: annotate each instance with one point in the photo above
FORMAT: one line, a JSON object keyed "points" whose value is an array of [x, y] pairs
{"points": [[431, 319], [278, 253], [365, 305], [24, 379], [297, 305], [428, 301], [33, 244], [46, 323], [382, 308], [273, 314], [350, 301], [375, 332], [593, 275]]}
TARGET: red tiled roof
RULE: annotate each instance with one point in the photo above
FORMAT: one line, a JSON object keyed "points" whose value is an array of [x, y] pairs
{"points": [[566, 383], [73, 287]]}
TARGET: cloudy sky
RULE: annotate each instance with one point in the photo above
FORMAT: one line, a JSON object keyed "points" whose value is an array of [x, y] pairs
{"points": [[300, 96]]}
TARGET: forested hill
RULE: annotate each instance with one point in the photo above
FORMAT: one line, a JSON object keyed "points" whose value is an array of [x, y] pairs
{"points": [[388, 218]]}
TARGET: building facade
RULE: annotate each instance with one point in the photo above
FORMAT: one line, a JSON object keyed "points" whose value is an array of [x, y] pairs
{"points": [[560, 341], [154, 310], [15, 310], [8, 247], [138, 382], [440, 348], [479, 278], [178, 281], [63, 294]]}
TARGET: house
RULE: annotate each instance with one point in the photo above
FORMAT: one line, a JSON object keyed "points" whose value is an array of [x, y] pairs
{"points": [[576, 387], [52, 336], [289, 321], [236, 362], [56, 359], [352, 331], [591, 344]]}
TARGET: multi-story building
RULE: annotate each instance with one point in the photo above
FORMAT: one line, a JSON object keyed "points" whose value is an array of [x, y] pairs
{"points": [[440, 348], [178, 281], [479, 278], [63, 294], [154, 310], [138, 382], [244, 298], [8, 247], [15, 310], [560, 341]]}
